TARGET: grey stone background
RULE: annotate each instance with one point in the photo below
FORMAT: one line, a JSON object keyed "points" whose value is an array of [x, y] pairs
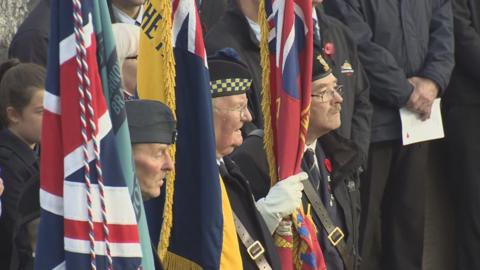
{"points": [[12, 14]]}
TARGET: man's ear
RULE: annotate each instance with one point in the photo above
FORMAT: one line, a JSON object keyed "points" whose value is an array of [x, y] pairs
{"points": [[13, 116]]}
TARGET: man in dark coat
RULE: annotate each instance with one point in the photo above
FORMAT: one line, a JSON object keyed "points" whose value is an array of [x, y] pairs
{"points": [[406, 48], [238, 29], [30, 43], [152, 130], [210, 11], [462, 107], [340, 49], [229, 82], [333, 165], [233, 31]]}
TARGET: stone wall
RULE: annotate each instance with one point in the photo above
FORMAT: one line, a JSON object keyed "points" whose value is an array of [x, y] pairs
{"points": [[12, 14]]}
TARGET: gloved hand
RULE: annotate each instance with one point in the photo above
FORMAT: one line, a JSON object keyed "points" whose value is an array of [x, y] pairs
{"points": [[284, 228], [282, 200]]}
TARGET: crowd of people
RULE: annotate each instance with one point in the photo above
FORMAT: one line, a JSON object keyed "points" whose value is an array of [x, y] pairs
{"points": [[364, 190]]}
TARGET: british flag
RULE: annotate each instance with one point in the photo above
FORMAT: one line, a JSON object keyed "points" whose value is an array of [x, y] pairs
{"points": [[87, 219], [290, 43]]}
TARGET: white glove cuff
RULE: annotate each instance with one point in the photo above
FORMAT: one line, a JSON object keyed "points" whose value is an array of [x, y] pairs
{"points": [[271, 219]]}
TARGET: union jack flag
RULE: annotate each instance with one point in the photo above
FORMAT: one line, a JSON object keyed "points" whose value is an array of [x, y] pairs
{"points": [[290, 43], [88, 219]]}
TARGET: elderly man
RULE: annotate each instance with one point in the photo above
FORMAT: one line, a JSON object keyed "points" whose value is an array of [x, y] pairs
{"points": [[152, 131], [230, 80], [334, 38], [333, 165]]}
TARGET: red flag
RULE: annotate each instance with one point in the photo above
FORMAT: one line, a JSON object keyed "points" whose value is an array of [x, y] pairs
{"points": [[286, 104]]}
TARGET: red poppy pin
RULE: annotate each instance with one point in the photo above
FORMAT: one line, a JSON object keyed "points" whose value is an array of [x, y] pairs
{"points": [[328, 165], [329, 49]]}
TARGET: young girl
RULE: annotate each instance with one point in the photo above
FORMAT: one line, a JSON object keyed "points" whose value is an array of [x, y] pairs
{"points": [[21, 107]]}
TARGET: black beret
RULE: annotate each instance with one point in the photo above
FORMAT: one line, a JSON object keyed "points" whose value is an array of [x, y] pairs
{"points": [[150, 121], [228, 75], [320, 67]]}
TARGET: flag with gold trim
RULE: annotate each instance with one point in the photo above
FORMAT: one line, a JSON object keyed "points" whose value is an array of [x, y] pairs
{"points": [[286, 53], [173, 69]]}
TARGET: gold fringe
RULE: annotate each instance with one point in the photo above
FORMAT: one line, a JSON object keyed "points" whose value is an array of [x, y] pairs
{"points": [[174, 262], [169, 75], [304, 120], [266, 98], [281, 242]]}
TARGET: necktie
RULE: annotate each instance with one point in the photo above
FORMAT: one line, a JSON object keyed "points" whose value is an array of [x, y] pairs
{"points": [[313, 171], [223, 169]]}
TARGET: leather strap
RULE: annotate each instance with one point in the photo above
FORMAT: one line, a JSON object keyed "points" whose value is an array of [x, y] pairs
{"points": [[254, 248], [335, 234]]}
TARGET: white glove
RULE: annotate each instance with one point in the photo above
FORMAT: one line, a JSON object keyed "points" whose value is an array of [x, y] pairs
{"points": [[285, 228], [282, 200]]}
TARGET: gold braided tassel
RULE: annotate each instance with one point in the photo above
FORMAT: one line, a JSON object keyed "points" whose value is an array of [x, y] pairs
{"points": [[169, 81], [156, 81], [266, 98]]}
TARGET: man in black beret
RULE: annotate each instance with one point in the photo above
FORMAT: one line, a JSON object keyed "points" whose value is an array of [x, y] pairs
{"points": [[332, 163], [152, 130], [333, 166]]}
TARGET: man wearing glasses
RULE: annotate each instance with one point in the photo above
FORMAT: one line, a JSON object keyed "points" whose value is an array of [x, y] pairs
{"points": [[330, 195]]}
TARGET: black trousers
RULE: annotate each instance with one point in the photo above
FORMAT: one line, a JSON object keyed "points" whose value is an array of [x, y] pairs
{"points": [[462, 127], [393, 206]]}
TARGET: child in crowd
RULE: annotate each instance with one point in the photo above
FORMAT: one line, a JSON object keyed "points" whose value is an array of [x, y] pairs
{"points": [[22, 87]]}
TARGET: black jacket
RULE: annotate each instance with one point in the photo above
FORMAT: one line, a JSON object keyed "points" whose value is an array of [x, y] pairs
{"points": [[30, 43], [20, 201], [356, 107], [233, 30], [210, 12], [346, 164], [346, 160], [464, 86], [398, 39], [243, 205]]}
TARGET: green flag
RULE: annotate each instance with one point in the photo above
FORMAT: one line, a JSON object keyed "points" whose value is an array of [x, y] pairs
{"points": [[110, 73]]}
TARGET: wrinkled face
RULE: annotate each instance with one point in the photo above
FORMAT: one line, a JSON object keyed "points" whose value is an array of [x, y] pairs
{"points": [[152, 162], [230, 113], [28, 123], [325, 107]]}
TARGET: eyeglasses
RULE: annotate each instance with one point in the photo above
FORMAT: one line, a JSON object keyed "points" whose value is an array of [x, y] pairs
{"points": [[328, 94], [241, 110]]}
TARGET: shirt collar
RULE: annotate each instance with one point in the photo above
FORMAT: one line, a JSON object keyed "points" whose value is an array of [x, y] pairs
{"points": [[255, 28], [316, 24], [124, 18], [312, 146]]}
